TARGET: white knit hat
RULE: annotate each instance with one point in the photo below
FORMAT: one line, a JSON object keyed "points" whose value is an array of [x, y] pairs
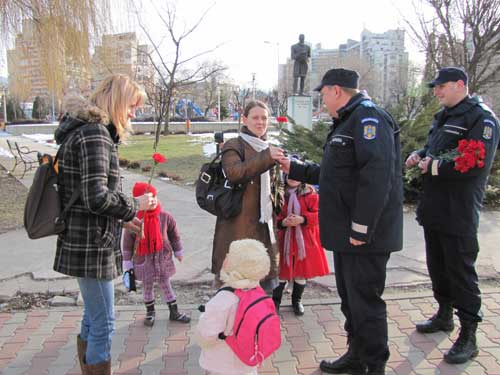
{"points": [[246, 263]]}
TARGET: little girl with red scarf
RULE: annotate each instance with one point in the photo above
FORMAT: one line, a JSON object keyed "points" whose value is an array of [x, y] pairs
{"points": [[152, 258], [301, 254]]}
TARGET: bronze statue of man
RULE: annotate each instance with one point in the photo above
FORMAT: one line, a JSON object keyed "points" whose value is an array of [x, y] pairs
{"points": [[301, 53]]}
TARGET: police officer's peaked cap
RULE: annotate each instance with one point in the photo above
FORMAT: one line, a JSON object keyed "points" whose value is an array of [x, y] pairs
{"points": [[341, 77], [449, 74]]}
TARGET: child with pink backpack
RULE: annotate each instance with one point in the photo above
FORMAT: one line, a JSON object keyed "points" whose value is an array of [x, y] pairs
{"points": [[239, 327]]}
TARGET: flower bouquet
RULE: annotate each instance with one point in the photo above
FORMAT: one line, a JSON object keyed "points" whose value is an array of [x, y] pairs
{"points": [[468, 154]]}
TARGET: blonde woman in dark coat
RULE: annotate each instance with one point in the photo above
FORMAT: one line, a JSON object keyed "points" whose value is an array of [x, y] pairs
{"points": [[89, 248], [256, 171]]}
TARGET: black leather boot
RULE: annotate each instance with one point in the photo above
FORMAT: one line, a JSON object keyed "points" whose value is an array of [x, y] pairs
{"points": [[465, 347], [298, 290], [378, 369], [149, 320], [441, 321], [175, 315], [349, 363], [278, 295]]}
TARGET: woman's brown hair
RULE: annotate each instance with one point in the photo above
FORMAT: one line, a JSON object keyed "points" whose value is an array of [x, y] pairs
{"points": [[253, 104]]}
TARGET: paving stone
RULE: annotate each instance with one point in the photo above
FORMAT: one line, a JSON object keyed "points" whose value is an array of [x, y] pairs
{"points": [[15, 370]]}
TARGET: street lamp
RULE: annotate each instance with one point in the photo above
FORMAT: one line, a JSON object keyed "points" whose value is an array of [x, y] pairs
{"points": [[4, 96]]}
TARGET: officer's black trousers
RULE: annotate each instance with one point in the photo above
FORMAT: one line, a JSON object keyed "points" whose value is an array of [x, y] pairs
{"points": [[451, 263], [360, 283]]}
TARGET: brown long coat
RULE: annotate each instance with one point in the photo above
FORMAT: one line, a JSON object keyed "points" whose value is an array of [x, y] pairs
{"points": [[246, 224]]}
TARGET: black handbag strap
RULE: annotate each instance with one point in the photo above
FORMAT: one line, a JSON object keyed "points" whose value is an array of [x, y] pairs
{"points": [[219, 155]]}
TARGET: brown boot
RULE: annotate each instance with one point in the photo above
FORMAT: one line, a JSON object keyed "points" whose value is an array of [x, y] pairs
{"points": [[103, 368], [81, 347]]}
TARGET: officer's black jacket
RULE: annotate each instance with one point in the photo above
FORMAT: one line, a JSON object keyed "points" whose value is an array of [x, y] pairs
{"points": [[452, 200], [361, 188]]}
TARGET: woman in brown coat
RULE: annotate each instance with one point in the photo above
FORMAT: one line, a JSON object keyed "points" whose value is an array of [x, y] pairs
{"points": [[255, 171]]}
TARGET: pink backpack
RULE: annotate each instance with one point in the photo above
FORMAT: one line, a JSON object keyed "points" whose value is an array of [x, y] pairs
{"points": [[256, 332]]}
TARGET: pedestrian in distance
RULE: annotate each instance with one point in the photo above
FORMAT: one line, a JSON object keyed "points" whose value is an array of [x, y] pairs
{"points": [[89, 248], [301, 255], [151, 256], [246, 263], [449, 207], [248, 160], [360, 214]]}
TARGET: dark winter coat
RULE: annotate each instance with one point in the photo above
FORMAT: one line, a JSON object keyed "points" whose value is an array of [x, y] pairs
{"points": [[451, 200], [88, 159], [360, 178], [246, 224]]}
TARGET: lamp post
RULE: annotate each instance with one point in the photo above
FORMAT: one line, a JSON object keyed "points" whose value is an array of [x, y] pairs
{"points": [[4, 91], [218, 104]]}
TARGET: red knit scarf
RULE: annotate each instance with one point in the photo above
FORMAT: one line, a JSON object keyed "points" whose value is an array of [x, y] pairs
{"points": [[152, 241]]}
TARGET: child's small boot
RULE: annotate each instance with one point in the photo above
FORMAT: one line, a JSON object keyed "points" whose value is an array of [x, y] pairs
{"points": [[149, 320], [298, 290], [278, 295], [175, 315]]}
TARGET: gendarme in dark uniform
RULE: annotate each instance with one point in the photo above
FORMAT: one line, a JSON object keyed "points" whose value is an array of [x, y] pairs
{"points": [[449, 208], [361, 199]]}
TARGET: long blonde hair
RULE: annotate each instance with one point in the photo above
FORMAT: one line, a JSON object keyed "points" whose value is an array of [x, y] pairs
{"points": [[113, 96]]}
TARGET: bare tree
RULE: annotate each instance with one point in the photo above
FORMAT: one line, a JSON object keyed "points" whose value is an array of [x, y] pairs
{"points": [[212, 84], [461, 33], [62, 32], [173, 71], [240, 96]]}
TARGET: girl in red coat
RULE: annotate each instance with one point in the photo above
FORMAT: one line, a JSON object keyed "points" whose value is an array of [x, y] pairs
{"points": [[301, 254]]}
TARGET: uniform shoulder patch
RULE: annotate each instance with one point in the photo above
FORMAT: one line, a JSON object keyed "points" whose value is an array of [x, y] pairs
{"points": [[367, 103], [488, 129], [369, 127]]}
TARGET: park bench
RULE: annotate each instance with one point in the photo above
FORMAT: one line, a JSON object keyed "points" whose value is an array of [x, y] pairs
{"points": [[23, 156]]}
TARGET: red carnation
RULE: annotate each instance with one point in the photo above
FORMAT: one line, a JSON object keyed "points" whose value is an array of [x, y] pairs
{"points": [[470, 155], [282, 119], [159, 158]]}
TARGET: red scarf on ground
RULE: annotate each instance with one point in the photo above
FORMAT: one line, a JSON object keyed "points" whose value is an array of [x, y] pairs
{"points": [[152, 241]]}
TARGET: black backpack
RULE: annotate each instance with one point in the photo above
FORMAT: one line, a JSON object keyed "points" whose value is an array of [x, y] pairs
{"points": [[214, 192], [43, 214]]}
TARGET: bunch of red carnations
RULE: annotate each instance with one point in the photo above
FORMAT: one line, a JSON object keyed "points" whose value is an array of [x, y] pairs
{"points": [[470, 154]]}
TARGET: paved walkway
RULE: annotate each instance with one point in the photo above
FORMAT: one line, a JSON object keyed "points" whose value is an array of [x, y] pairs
{"points": [[44, 341]]}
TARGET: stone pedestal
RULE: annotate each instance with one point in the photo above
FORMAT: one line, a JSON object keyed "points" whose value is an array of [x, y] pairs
{"points": [[300, 109]]}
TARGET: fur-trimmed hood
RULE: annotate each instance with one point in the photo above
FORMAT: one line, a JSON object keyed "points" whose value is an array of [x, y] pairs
{"points": [[78, 111], [246, 263]]}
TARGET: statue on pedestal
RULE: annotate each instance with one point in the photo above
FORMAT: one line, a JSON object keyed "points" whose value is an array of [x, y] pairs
{"points": [[301, 53]]}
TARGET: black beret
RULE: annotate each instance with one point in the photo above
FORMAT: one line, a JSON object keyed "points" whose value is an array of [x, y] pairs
{"points": [[449, 74], [341, 77]]}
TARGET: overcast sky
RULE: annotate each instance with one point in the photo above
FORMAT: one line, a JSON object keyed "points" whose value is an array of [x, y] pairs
{"points": [[241, 28]]}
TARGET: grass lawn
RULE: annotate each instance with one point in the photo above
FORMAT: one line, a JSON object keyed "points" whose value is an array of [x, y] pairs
{"points": [[184, 154]]}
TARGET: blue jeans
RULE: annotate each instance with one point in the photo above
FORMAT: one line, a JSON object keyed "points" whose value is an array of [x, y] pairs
{"points": [[98, 322]]}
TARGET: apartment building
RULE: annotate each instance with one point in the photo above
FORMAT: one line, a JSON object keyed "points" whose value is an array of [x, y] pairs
{"points": [[122, 53], [35, 70]]}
